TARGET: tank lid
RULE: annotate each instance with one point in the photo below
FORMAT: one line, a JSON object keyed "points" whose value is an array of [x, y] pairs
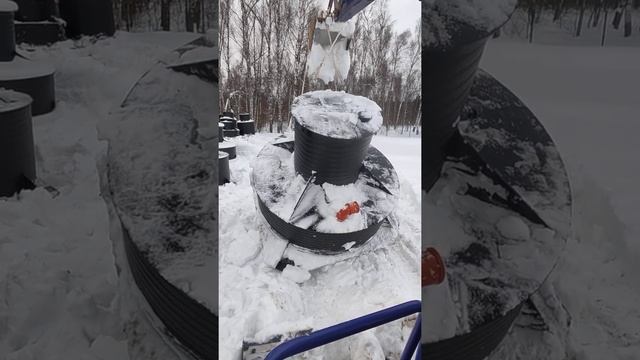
{"points": [[20, 69], [11, 100], [337, 114]]}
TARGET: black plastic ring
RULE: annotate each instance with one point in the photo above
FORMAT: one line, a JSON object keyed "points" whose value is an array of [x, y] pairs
{"points": [[322, 243]]}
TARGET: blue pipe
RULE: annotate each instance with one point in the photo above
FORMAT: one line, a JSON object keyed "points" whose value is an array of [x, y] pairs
{"points": [[340, 331]]}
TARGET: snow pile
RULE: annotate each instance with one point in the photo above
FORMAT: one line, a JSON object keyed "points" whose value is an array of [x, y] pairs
{"points": [[329, 58], [8, 6], [487, 275], [595, 128], [11, 100], [484, 15], [257, 302], [159, 165], [58, 281], [337, 114]]}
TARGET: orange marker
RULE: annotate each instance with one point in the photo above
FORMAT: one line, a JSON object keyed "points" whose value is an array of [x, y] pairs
{"points": [[348, 209], [433, 270]]}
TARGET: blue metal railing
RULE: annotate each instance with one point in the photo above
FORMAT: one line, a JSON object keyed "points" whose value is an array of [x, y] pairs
{"points": [[348, 328]]}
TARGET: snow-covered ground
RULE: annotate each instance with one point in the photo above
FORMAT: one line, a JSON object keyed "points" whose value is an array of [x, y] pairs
{"points": [[58, 276], [257, 301], [587, 97]]}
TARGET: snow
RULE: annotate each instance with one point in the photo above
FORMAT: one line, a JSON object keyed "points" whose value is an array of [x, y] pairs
{"points": [[337, 114], [483, 15], [8, 6], [59, 280], [282, 191], [513, 227], [158, 165], [12, 100], [257, 302], [330, 61], [586, 97], [196, 55]]}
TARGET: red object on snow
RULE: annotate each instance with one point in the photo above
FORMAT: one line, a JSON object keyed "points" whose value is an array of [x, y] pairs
{"points": [[433, 270], [348, 209]]}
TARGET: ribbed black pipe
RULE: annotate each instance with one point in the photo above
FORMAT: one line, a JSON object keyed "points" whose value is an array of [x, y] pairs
{"points": [[192, 324], [17, 159], [7, 37], [322, 243], [41, 89], [476, 345], [448, 74], [334, 161]]}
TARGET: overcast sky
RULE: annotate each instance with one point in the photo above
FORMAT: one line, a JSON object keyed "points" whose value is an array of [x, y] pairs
{"points": [[405, 13]]}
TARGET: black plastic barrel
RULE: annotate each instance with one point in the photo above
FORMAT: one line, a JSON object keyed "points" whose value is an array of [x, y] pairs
{"points": [[231, 132], [228, 148], [7, 36], [41, 89], [247, 127], [229, 124], [228, 114], [244, 116], [224, 174], [334, 161], [449, 68], [87, 17], [17, 159], [448, 74]]}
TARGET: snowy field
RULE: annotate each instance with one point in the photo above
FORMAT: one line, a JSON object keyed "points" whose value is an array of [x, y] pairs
{"points": [[258, 301], [58, 275], [588, 98]]}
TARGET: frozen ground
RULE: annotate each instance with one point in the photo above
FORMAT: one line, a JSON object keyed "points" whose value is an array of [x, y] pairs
{"points": [[258, 302], [587, 97], [58, 279]]}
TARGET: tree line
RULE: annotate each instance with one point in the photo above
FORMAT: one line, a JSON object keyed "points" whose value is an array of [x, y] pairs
{"points": [[264, 46], [586, 13], [166, 15]]}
